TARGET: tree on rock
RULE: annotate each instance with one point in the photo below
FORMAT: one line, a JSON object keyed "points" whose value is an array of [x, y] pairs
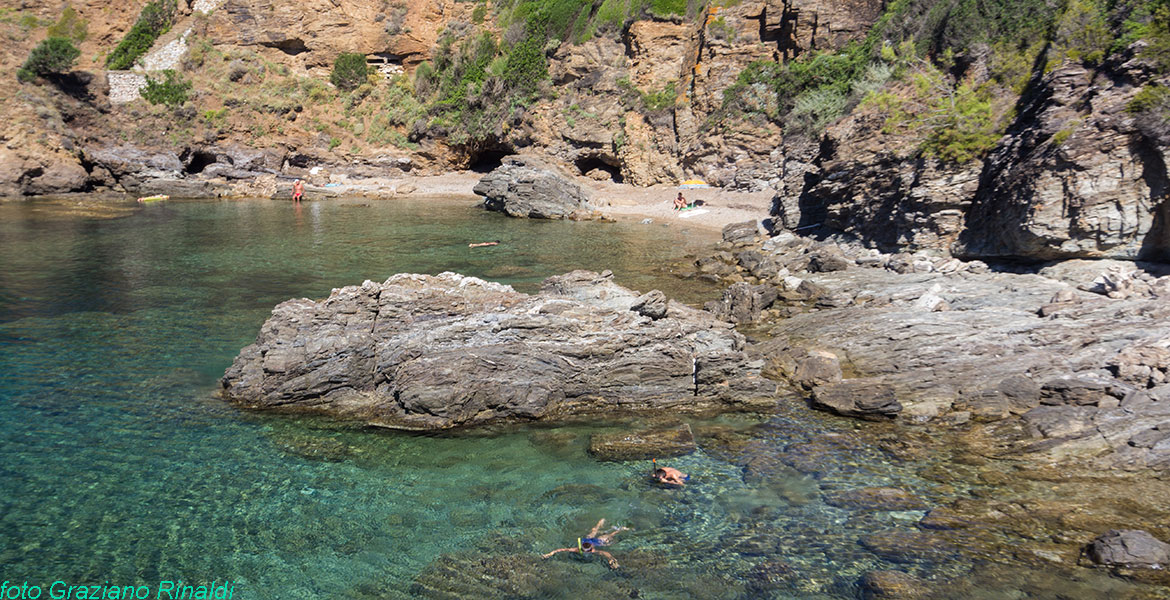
{"points": [[349, 70], [54, 55]]}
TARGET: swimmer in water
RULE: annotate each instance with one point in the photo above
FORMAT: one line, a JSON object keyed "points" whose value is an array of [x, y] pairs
{"points": [[590, 543], [495, 243], [669, 476]]}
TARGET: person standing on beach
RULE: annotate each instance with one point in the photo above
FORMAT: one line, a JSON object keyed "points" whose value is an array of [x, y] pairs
{"points": [[298, 190]]}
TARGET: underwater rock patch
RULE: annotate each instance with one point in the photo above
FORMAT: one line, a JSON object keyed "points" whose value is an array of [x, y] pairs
{"points": [[643, 444]]}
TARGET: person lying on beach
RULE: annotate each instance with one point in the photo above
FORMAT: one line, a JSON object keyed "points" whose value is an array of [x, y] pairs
{"points": [[495, 243], [669, 476], [590, 543]]}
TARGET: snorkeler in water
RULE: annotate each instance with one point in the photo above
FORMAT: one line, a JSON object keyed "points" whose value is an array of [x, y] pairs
{"points": [[669, 476], [590, 543]]}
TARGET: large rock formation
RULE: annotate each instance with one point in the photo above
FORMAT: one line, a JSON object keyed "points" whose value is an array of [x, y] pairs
{"points": [[525, 186], [433, 352], [311, 34], [1075, 177]]}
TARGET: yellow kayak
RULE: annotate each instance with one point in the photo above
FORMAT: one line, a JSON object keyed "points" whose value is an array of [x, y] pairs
{"points": [[154, 198]]}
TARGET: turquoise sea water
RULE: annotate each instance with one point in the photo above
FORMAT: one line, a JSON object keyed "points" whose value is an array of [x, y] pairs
{"points": [[120, 464]]}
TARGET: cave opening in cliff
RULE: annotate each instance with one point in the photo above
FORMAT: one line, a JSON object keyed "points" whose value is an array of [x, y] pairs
{"points": [[290, 46], [488, 160], [197, 161], [589, 164]]}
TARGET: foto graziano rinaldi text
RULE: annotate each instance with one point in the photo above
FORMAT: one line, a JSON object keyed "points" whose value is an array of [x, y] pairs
{"points": [[164, 590]]}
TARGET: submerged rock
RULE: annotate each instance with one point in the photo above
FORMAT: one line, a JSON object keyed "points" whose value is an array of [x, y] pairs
{"points": [[643, 444], [434, 352], [875, 498], [1130, 549], [888, 585]]}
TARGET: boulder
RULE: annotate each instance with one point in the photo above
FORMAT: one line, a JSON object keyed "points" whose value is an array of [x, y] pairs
{"points": [[63, 175], [643, 444], [433, 352], [1129, 548], [524, 186], [1144, 366], [742, 303], [652, 304], [824, 261], [857, 398], [741, 233]]}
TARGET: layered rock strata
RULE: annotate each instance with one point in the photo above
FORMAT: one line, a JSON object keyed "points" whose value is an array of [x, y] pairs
{"points": [[434, 352]]}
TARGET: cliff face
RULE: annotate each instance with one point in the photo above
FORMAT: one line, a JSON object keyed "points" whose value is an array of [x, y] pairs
{"points": [[310, 34], [1073, 177]]}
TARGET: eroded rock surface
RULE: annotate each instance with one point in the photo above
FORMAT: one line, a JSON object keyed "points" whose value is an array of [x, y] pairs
{"points": [[433, 352]]}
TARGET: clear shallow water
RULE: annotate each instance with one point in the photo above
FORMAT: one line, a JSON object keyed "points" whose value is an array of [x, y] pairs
{"points": [[119, 464]]}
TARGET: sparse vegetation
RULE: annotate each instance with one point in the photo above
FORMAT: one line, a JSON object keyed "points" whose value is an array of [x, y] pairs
{"points": [[936, 43], [155, 19], [349, 71], [54, 55], [70, 26], [171, 90]]}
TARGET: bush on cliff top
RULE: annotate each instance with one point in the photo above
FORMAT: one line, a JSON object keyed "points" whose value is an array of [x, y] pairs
{"points": [[155, 19], [54, 55]]}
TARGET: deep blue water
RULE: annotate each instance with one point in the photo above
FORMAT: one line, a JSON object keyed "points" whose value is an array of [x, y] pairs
{"points": [[121, 465]]}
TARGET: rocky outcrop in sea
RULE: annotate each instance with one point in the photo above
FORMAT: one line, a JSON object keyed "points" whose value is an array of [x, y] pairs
{"points": [[435, 352]]}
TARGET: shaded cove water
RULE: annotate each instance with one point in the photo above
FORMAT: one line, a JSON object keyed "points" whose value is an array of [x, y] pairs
{"points": [[120, 465]]}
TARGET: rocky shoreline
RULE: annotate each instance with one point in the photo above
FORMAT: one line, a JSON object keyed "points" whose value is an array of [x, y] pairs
{"points": [[1065, 362]]}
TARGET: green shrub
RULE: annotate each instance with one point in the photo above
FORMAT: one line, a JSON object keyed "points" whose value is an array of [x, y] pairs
{"points": [[1151, 97], [70, 26], [349, 71], [172, 90], [54, 55], [721, 30], [666, 8], [661, 100], [526, 65], [1082, 33], [962, 127], [155, 19]]}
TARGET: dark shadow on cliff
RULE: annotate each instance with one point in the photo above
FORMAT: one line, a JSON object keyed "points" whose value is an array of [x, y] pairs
{"points": [[983, 234], [1156, 245]]}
